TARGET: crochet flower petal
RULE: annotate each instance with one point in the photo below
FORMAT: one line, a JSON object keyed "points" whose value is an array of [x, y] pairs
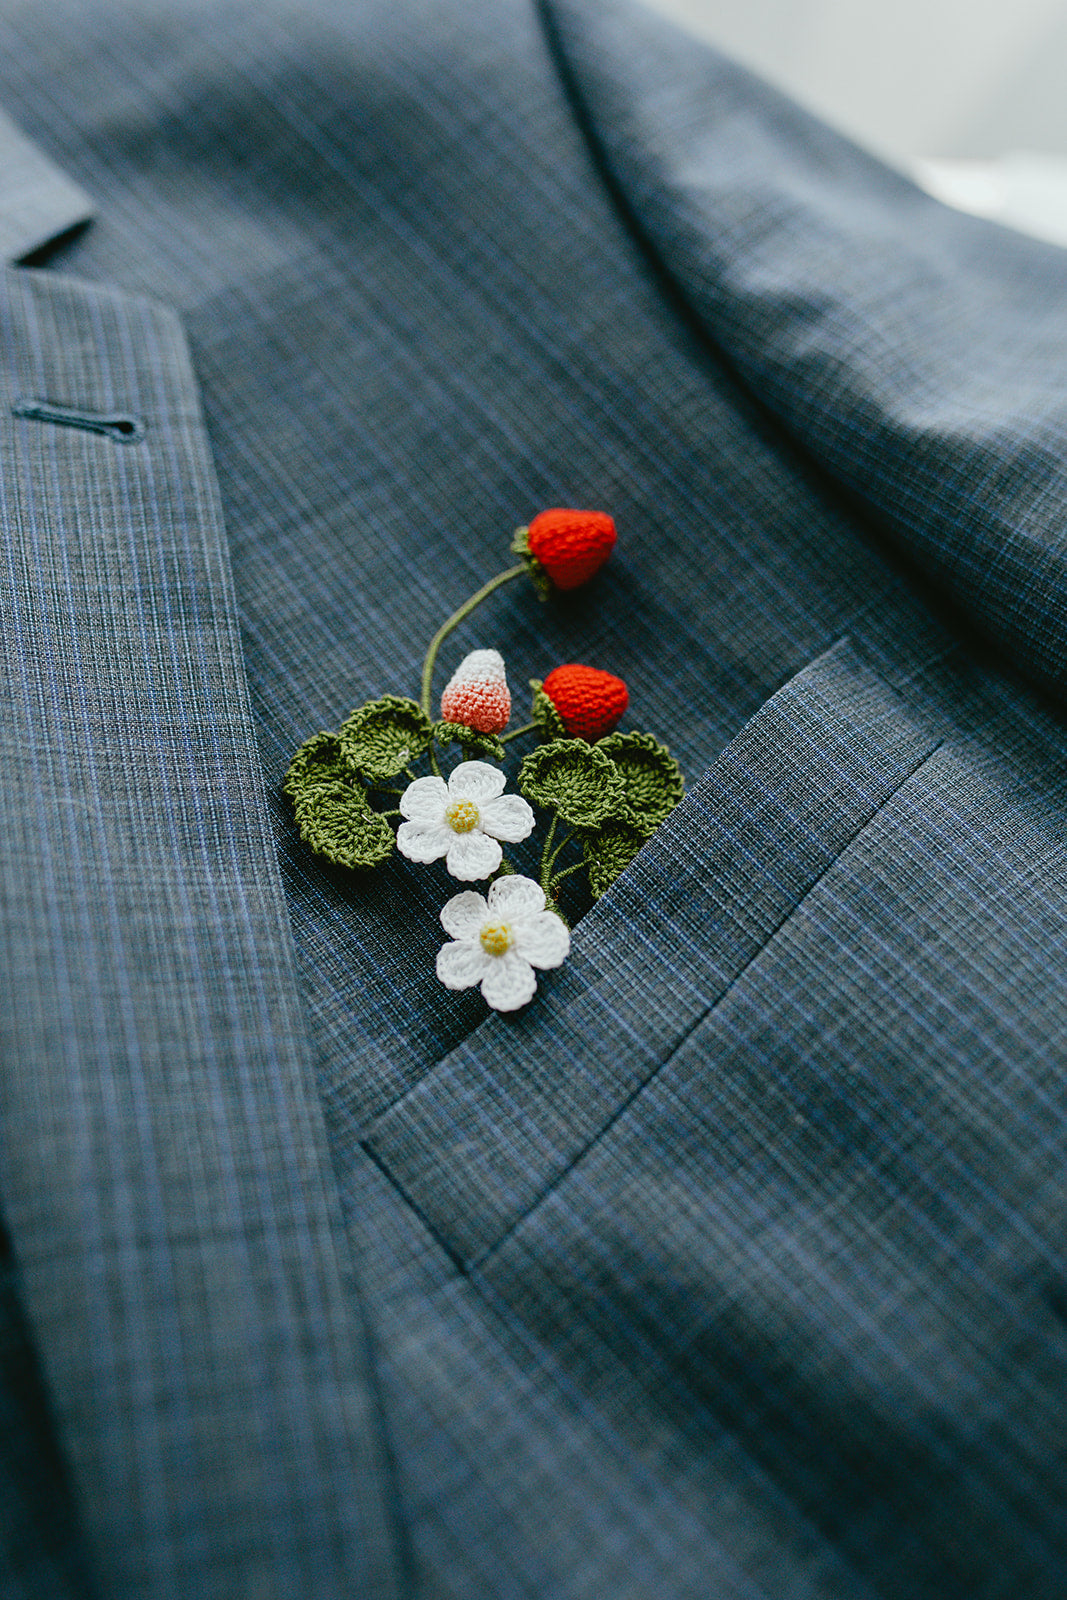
{"points": [[470, 855], [421, 841], [508, 817], [424, 800], [462, 965], [465, 914], [475, 780], [542, 940], [509, 982], [516, 896]]}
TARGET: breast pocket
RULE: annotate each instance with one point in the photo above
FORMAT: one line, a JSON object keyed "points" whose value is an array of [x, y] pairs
{"points": [[492, 1129]]}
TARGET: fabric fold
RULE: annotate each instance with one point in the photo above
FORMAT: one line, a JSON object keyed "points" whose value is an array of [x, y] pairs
{"points": [[918, 355]]}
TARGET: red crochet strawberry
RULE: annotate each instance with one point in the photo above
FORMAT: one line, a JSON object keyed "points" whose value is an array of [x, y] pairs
{"points": [[589, 702], [570, 545]]}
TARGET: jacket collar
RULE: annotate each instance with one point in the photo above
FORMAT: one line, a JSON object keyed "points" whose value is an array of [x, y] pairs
{"points": [[38, 202]]}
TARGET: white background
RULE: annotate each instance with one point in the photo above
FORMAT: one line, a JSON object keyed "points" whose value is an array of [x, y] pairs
{"points": [[908, 78]]}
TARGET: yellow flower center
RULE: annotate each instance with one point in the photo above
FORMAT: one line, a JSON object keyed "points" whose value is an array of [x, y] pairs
{"points": [[496, 938], [462, 816]]}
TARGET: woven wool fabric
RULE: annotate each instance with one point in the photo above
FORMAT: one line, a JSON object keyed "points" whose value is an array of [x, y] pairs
{"points": [[152, 1030], [733, 1264]]}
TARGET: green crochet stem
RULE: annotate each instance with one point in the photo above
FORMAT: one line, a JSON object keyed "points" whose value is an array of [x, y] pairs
{"points": [[527, 727], [558, 851], [455, 619], [546, 859], [559, 877]]}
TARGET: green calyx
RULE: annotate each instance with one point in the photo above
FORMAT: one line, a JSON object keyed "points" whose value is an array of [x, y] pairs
{"points": [[336, 820], [384, 736], [544, 715], [608, 852], [520, 547], [478, 744], [576, 781], [652, 780]]}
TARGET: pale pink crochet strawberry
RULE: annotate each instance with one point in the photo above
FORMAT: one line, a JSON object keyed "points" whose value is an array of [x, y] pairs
{"points": [[590, 702], [477, 693]]}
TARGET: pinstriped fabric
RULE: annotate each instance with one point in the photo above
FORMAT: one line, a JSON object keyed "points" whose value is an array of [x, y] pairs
{"points": [[162, 1162], [41, 1551]]}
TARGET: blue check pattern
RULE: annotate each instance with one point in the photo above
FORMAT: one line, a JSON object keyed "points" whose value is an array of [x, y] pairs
{"points": [[734, 1265]]}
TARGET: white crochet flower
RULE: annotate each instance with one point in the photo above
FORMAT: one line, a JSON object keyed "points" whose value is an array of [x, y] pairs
{"points": [[462, 820], [498, 942]]}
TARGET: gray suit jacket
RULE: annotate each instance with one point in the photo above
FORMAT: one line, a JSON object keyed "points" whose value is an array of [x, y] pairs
{"points": [[733, 1265]]}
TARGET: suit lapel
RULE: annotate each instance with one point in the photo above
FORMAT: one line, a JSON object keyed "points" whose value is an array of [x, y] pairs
{"points": [[162, 1162], [38, 202]]}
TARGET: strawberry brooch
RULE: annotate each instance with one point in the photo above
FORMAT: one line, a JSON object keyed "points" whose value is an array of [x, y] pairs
{"points": [[566, 548], [600, 793], [589, 703]]}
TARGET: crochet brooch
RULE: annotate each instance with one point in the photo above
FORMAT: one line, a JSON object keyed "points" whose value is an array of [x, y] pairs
{"points": [[602, 793]]}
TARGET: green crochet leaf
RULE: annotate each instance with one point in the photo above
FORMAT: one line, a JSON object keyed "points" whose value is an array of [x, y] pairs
{"points": [[651, 777], [478, 744], [383, 737], [574, 779], [337, 822], [608, 853], [544, 714], [319, 760]]}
